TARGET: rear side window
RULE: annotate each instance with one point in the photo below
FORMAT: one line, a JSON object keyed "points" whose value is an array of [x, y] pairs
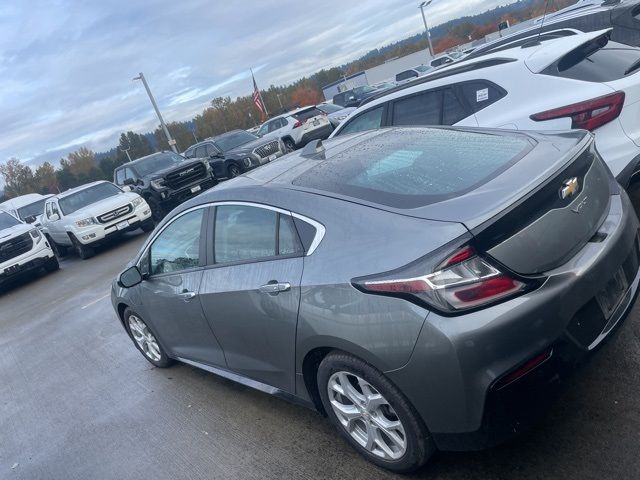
{"points": [[307, 114], [480, 94], [612, 62], [423, 109], [414, 167], [366, 121], [452, 110]]}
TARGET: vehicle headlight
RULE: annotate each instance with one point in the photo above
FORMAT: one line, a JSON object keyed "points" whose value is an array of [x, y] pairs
{"points": [[85, 222], [136, 202], [247, 162], [36, 235], [158, 184]]}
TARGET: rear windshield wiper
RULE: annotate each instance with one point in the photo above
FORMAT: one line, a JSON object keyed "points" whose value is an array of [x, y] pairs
{"points": [[634, 66]]}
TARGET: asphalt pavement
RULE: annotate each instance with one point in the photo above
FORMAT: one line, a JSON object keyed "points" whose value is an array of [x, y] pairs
{"points": [[77, 401]]}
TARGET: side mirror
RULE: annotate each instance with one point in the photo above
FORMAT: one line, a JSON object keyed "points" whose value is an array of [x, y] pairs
{"points": [[129, 181], [30, 219], [130, 277], [54, 217]]}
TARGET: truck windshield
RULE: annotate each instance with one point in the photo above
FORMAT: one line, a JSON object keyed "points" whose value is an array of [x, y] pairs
{"points": [[8, 221], [233, 140], [155, 163], [31, 210], [86, 197]]}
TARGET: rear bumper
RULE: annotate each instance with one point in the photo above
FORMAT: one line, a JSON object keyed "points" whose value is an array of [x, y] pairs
{"points": [[317, 134], [457, 363]]}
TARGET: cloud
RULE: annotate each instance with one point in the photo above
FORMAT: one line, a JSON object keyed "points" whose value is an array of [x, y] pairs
{"points": [[66, 67]]}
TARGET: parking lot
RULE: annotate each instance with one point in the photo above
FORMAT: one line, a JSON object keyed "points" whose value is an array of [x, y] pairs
{"points": [[79, 402]]}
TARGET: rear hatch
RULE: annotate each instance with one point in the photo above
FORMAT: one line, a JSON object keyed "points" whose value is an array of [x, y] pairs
{"points": [[531, 200], [310, 119]]}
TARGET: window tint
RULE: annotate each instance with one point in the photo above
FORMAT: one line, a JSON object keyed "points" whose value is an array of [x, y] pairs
{"points": [[288, 241], [480, 94], [366, 121], [413, 167], [612, 62], [189, 152], [178, 246], [120, 177], [423, 109], [452, 110], [129, 173], [244, 233], [200, 152], [210, 150], [307, 114], [406, 75], [339, 99]]}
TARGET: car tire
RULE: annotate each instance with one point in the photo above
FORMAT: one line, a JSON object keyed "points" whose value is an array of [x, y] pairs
{"points": [[58, 250], [289, 145], [148, 225], [157, 212], [366, 421], [51, 265], [145, 340], [84, 251], [233, 171]]}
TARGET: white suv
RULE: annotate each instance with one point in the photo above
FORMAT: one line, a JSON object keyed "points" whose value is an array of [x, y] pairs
{"points": [[562, 80], [28, 208], [86, 216], [298, 127], [22, 248]]}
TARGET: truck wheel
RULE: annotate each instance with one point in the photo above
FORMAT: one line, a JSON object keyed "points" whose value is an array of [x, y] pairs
{"points": [[233, 170], [83, 251], [52, 265], [157, 212], [58, 250]]}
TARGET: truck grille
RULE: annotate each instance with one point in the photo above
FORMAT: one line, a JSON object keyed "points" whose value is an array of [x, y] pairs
{"points": [[267, 149], [15, 247], [186, 176], [113, 214]]}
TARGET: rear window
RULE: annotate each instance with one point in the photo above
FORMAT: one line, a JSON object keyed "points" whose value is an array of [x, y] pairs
{"points": [[594, 64], [414, 167], [307, 114]]}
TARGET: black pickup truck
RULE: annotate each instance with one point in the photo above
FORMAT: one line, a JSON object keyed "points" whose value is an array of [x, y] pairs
{"points": [[165, 180]]}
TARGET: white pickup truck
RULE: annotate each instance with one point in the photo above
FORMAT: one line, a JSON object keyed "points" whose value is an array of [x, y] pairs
{"points": [[87, 216], [22, 248]]}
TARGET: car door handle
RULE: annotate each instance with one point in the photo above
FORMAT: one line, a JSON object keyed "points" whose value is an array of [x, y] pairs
{"points": [[186, 296], [274, 288]]}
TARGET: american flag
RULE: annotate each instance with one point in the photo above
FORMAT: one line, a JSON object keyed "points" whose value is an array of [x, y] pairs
{"points": [[257, 97]]}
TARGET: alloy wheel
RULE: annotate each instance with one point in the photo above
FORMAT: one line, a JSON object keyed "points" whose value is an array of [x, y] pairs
{"points": [[367, 416], [144, 338]]}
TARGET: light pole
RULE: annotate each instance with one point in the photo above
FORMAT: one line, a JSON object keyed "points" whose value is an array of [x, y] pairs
{"points": [[172, 142], [279, 101], [126, 150], [426, 27]]}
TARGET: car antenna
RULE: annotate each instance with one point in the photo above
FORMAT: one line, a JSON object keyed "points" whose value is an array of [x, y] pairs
{"points": [[536, 41]]}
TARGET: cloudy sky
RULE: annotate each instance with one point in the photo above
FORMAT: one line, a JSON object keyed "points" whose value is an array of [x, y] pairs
{"points": [[66, 65]]}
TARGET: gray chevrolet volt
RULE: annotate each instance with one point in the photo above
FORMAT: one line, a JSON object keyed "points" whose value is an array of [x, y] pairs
{"points": [[425, 288]]}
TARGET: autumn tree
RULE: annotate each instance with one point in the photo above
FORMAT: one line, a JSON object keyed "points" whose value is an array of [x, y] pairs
{"points": [[18, 178], [46, 179], [305, 95]]}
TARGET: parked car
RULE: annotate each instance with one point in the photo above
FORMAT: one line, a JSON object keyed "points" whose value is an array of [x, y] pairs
{"points": [[28, 208], [335, 113], [442, 60], [353, 97], [424, 287], [297, 128], [87, 216], [584, 16], [588, 82], [235, 152], [23, 248], [165, 180], [412, 73]]}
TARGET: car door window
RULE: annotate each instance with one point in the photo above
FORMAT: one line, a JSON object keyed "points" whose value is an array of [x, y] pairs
{"points": [[452, 109], [129, 173], [54, 209], [243, 233], [422, 109], [177, 248], [200, 152], [209, 150], [274, 125], [189, 153], [480, 94], [366, 121], [47, 210], [263, 130], [120, 177]]}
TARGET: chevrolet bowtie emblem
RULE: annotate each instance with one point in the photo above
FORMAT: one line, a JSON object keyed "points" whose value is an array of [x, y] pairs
{"points": [[569, 188]]}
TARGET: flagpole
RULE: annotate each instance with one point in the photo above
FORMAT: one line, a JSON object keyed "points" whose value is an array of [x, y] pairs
{"points": [[260, 93]]}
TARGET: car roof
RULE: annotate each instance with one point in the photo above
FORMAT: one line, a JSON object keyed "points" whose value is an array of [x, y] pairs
{"points": [[138, 160], [293, 112], [66, 193], [222, 135], [22, 200]]}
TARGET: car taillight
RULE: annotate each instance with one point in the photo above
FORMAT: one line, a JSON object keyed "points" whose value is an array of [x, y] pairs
{"points": [[462, 281], [590, 114], [299, 123]]}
